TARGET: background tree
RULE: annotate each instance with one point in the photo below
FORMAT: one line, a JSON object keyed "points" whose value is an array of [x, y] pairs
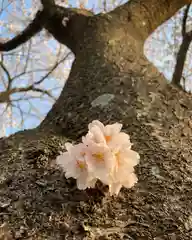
{"points": [[110, 80], [181, 58], [170, 37]]}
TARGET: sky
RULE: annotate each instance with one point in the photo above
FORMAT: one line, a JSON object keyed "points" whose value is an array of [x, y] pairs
{"points": [[162, 57]]}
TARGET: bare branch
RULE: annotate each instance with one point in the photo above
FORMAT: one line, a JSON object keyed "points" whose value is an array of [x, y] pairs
{"points": [[5, 96], [184, 22], [43, 91], [52, 69], [180, 60], [33, 28], [6, 72], [28, 56], [182, 53]]}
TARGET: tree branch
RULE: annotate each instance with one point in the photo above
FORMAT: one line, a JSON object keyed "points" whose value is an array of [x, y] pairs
{"points": [[69, 31], [184, 22], [52, 19], [48, 3], [5, 96], [146, 15], [34, 27], [6, 72], [180, 60], [52, 69]]}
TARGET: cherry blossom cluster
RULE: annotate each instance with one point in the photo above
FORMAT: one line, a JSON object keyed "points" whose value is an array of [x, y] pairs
{"points": [[105, 154]]}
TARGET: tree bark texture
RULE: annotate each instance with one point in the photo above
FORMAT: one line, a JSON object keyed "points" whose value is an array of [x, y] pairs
{"points": [[110, 80]]}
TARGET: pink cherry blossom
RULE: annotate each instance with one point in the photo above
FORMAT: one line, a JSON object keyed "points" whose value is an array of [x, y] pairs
{"points": [[115, 187], [105, 154], [74, 165], [101, 161], [109, 135]]}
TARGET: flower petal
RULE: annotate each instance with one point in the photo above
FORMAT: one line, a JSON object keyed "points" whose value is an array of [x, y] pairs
{"points": [[63, 160], [69, 147], [113, 129], [96, 135], [114, 188], [131, 181], [96, 123], [120, 140]]}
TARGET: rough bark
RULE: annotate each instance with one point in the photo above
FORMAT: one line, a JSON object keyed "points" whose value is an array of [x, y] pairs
{"points": [[110, 80]]}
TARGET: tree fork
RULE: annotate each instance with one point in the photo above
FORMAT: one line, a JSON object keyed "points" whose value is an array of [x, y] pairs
{"points": [[110, 80], [52, 18]]}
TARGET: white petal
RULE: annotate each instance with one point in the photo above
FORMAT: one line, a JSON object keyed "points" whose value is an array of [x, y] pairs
{"points": [[131, 156], [92, 183], [113, 129], [96, 123], [114, 188], [69, 146], [120, 140], [79, 150], [107, 160], [97, 135], [122, 174], [63, 159], [87, 139], [81, 184], [131, 181], [85, 181]]}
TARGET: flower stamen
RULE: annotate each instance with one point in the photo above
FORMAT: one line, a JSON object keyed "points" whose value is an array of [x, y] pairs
{"points": [[99, 157], [117, 155], [81, 164], [108, 138]]}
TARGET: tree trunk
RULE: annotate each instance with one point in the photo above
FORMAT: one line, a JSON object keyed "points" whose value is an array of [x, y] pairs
{"points": [[110, 80]]}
